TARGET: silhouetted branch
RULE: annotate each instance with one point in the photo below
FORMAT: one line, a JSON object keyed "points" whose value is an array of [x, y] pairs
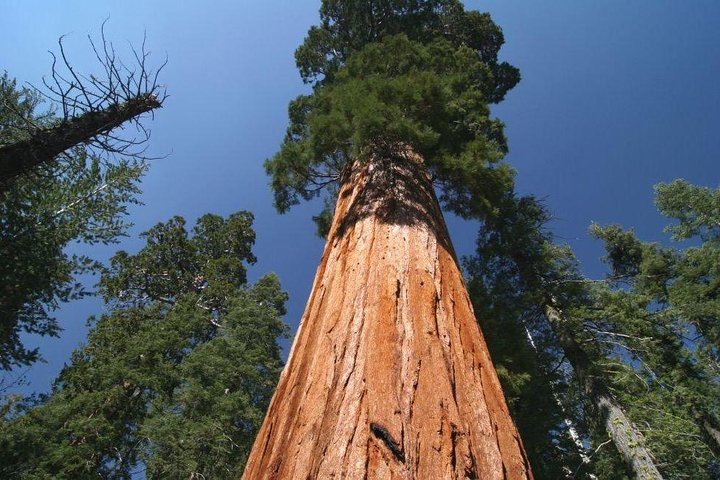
{"points": [[92, 109]]}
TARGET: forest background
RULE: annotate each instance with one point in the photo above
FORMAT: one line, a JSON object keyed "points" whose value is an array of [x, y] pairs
{"points": [[615, 98]]}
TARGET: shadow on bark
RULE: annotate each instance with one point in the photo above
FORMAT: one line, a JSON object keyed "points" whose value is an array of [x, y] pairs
{"points": [[395, 188]]}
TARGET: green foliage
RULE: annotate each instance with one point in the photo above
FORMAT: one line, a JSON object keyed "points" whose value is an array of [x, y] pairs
{"points": [[694, 289], [696, 208], [227, 383], [76, 198], [648, 333], [662, 320], [393, 75], [211, 262], [176, 377], [512, 275]]}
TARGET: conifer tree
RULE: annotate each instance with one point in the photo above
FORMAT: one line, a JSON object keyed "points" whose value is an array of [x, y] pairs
{"points": [[664, 307], [508, 293], [389, 375], [77, 197], [65, 174], [550, 289], [174, 379], [638, 359]]}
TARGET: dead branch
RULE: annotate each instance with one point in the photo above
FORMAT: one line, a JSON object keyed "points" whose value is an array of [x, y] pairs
{"points": [[93, 108]]}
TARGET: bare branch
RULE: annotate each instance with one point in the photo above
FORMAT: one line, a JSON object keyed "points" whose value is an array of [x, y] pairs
{"points": [[92, 110]]}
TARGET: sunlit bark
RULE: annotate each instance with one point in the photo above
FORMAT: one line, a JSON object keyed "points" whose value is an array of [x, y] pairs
{"points": [[389, 375]]}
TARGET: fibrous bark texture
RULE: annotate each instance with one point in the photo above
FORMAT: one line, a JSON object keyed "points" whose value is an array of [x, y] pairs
{"points": [[389, 376]]}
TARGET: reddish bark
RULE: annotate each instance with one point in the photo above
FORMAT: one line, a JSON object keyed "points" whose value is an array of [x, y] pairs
{"points": [[389, 375]]}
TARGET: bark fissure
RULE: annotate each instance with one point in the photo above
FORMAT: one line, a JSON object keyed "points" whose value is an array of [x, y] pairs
{"points": [[416, 379], [382, 434]]}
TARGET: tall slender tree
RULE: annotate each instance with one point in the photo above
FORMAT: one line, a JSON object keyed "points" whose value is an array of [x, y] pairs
{"points": [[389, 375], [505, 281], [77, 197], [638, 346], [547, 285], [665, 306], [65, 174]]}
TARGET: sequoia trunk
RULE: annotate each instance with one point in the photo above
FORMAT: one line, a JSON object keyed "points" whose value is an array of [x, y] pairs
{"points": [[389, 375]]}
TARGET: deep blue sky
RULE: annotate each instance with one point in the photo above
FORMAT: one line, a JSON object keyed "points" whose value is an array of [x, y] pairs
{"points": [[616, 96]]}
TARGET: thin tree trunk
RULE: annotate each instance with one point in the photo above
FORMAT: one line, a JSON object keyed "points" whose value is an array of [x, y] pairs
{"points": [[44, 145], [569, 424], [713, 433], [627, 439], [389, 375]]}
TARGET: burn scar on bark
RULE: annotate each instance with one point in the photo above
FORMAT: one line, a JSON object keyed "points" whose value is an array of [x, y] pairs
{"points": [[382, 434]]}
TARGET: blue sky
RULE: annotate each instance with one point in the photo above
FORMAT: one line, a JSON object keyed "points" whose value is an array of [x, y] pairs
{"points": [[616, 96]]}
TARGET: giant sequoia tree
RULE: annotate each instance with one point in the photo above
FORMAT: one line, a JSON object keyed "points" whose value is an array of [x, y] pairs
{"points": [[389, 375]]}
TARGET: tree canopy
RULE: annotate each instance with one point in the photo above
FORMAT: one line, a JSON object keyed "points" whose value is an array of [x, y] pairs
{"points": [[174, 378], [76, 197], [390, 75]]}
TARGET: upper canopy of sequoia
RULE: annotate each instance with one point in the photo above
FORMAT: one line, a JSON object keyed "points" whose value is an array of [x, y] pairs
{"points": [[418, 73]]}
